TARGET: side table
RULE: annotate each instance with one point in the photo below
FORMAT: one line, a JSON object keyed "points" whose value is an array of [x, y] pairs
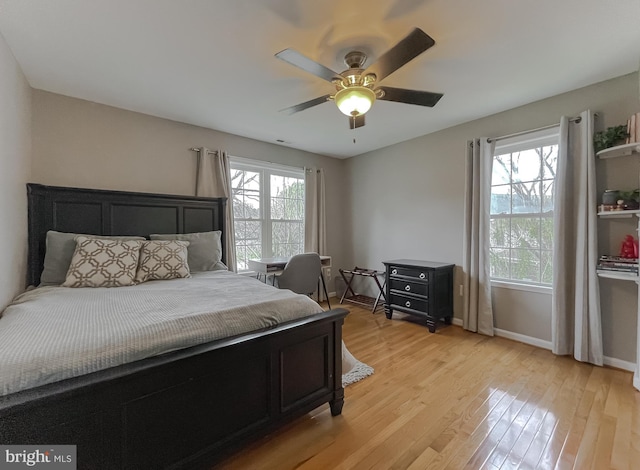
{"points": [[421, 288]]}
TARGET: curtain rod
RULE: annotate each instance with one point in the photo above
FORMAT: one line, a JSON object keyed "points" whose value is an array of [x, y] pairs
{"points": [[252, 161], [515, 134], [194, 149]]}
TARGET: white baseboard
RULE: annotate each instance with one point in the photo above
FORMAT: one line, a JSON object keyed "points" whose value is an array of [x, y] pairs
{"points": [[619, 363], [540, 343], [515, 336], [607, 361]]}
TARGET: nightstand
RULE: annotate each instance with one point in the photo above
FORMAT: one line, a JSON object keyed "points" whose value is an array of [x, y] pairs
{"points": [[421, 288]]}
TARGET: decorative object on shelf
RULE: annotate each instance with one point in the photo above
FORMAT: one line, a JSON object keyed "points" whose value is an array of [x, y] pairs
{"points": [[633, 129], [629, 248], [630, 199], [618, 264], [615, 200], [610, 197], [610, 137]]}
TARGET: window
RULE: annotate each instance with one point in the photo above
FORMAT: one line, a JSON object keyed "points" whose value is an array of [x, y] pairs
{"points": [[521, 225], [268, 210]]}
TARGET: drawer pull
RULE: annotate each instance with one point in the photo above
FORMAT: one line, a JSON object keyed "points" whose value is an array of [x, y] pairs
{"points": [[394, 271], [422, 276], [407, 287], [407, 304]]}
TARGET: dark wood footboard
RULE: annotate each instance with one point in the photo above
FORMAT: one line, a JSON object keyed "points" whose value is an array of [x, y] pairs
{"points": [[188, 408]]}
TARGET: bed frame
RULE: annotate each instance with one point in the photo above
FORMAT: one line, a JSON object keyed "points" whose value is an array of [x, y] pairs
{"points": [[184, 409]]}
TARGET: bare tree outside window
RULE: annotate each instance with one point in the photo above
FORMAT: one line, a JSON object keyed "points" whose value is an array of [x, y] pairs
{"points": [[247, 214], [521, 225], [287, 215], [268, 209]]}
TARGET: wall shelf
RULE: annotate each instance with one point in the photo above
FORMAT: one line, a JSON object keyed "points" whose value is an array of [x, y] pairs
{"points": [[622, 276], [620, 151], [619, 214], [613, 152]]}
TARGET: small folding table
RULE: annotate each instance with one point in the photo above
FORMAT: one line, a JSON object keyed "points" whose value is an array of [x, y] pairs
{"points": [[362, 299]]}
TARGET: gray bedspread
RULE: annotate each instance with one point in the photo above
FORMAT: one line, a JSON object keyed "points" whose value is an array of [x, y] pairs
{"points": [[54, 333]]}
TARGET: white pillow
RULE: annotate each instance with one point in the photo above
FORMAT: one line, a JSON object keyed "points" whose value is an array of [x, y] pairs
{"points": [[98, 262], [162, 260]]}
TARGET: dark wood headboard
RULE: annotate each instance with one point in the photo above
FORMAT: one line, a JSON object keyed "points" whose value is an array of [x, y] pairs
{"points": [[100, 212]]}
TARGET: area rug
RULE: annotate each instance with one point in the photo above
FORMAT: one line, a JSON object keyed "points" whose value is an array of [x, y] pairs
{"points": [[353, 369]]}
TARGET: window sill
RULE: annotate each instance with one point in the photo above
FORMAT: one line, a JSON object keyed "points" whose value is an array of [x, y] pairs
{"points": [[523, 287]]}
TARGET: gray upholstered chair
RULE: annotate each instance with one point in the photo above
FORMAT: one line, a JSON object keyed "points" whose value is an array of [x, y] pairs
{"points": [[301, 275]]}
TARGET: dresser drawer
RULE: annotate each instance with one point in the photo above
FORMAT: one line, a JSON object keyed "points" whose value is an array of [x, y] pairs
{"points": [[416, 288], [401, 301], [408, 272]]}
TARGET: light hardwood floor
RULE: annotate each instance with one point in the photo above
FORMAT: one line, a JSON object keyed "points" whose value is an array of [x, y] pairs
{"points": [[458, 400]]}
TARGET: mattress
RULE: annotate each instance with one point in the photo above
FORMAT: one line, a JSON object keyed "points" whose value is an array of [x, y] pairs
{"points": [[54, 333]]}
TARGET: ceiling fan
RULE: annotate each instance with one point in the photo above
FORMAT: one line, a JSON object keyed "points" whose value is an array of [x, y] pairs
{"points": [[356, 89]]}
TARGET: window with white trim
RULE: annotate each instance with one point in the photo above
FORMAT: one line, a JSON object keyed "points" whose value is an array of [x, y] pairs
{"points": [[268, 210], [521, 215]]}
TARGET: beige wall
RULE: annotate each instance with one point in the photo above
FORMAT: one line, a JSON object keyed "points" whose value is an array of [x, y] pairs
{"points": [[416, 208], [15, 141], [84, 144], [402, 201]]}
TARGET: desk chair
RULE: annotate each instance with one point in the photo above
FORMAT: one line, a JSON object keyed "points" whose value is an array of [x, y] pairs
{"points": [[301, 275]]}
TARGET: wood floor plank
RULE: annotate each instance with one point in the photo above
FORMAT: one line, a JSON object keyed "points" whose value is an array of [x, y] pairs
{"points": [[454, 400], [599, 383], [550, 385], [621, 448]]}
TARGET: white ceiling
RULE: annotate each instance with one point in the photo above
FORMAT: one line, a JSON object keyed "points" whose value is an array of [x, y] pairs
{"points": [[211, 62]]}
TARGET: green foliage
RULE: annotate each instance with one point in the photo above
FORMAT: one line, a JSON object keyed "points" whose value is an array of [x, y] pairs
{"points": [[610, 137], [633, 195]]}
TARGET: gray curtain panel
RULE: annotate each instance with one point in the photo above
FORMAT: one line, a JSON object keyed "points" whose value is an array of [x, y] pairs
{"points": [[315, 226], [477, 309], [576, 325], [315, 229], [213, 179]]}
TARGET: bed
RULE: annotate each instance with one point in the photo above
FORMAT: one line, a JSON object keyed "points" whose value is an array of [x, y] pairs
{"points": [[185, 407]]}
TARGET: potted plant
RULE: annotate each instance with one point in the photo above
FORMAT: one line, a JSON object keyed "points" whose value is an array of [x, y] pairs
{"points": [[610, 137], [631, 199]]}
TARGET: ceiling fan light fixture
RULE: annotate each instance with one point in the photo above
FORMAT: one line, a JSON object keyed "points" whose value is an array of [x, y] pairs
{"points": [[355, 100]]}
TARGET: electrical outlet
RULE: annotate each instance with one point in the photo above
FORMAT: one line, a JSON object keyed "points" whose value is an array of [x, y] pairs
{"points": [[461, 290], [327, 273]]}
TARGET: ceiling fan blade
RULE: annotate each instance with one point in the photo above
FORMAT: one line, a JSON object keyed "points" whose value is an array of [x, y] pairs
{"points": [[356, 121], [296, 59], [307, 104], [401, 95], [408, 48]]}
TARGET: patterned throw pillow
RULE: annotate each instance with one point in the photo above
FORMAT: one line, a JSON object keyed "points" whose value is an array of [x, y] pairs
{"points": [[60, 249], [162, 260], [204, 252], [98, 262]]}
